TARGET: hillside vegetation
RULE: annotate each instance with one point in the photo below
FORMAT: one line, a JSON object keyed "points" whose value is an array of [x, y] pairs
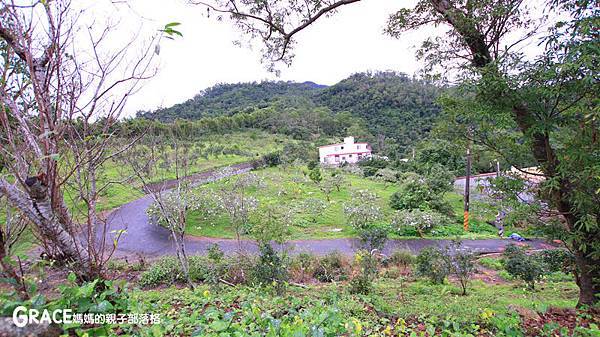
{"points": [[389, 109]]}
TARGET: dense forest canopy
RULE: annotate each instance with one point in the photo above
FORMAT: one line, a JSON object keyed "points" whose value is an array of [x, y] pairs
{"points": [[389, 109]]}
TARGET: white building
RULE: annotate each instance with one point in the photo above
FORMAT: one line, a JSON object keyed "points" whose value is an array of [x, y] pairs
{"points": [[346, 152]]}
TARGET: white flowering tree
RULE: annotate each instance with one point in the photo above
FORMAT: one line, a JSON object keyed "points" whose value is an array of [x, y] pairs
{"points": [[363, 212], [314, 208], [233, 199], [422, 222]]}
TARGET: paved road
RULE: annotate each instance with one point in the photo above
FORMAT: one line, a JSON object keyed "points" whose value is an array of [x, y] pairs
{"points": [[151, 240]]}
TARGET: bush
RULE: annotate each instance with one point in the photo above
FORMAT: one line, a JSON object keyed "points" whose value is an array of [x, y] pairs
{"points": [[463, 265], [371, 166], [401, 258], [373, 237], [217, 267], [270, 268], [407, 222], [362, 283], [434, 263], [557, 260], [164, 271], [330, 268], [272, 159], [167, 271], [528, 268], [302, 265]]}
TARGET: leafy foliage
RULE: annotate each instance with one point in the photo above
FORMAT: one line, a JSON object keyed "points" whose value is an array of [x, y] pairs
{"points": [[527, 267], [434, 263]]}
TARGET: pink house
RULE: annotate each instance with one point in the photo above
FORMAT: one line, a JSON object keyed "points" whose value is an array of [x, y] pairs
{"points": [[346, 152]]}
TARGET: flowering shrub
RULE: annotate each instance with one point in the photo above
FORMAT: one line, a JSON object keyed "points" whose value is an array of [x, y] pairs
{"points": [[362, 213], [406, 221]]}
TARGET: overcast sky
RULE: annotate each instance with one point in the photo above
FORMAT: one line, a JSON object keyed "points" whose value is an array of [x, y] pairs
{"points": [[350, 41]]}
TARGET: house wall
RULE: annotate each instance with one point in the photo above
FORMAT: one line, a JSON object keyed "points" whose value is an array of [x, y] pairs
{"points": [[348, 151]]}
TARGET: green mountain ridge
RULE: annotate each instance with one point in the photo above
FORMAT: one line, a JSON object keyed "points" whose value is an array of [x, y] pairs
{"points": [[389, 109]]}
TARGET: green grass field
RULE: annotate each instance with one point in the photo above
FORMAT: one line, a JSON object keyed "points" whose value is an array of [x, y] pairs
{"points": [[289, 187], [248, 145]]}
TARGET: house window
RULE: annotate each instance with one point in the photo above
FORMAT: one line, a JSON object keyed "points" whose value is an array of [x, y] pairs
{"points": [[342, 147], [358, 147], [350, 156]]}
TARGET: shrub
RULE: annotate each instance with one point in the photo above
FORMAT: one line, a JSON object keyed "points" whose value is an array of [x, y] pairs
{"points": [[362, 282], [407, 222], [313, 164], [315, 175], [374, 237], [528, 268], [401, 258], [372, 165], [272, 159], [434, 263], [167, 271], [270, 268], [330, 268], [164, 271], [363, 213], [462, 265], [557, 260], [302, 265], [217, 267]]}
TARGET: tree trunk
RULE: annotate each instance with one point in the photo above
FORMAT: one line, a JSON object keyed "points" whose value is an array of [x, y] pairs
{"points": [[587, 278], [35, 205]]}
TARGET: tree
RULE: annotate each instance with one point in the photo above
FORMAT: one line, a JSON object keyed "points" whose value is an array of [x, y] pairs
{"points": [[58, 109], [338, 180], [233, 200], [363, 213], [314, 207], [551, 102], [463, 265], [420, 192], [171, 205]]}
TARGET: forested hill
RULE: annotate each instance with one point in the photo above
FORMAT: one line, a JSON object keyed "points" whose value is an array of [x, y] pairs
{"points": [[393, 105], [389, 109], [229, 99]]}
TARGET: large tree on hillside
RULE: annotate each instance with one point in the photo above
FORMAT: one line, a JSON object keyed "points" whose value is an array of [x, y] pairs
{"points": [[551, 101]]}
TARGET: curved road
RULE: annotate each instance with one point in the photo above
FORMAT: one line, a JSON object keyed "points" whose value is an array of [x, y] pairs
{"points": [[150, 240]]}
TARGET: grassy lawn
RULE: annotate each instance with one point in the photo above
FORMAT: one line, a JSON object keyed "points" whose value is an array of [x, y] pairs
{"points": [[248, 145], [289, 187]]}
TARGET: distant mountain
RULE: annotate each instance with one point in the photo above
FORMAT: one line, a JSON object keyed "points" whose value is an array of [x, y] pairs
{"points": [[229, 99], [387, 108]]}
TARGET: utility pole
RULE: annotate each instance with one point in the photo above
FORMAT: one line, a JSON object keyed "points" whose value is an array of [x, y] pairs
{"points": [[467, 188]]}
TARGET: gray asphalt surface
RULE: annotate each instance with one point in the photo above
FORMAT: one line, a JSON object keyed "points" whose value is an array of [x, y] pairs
{"points": [[150, 240]]}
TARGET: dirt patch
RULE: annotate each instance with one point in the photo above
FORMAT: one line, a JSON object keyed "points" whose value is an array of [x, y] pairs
{"points": [[554, 320], [489, 276]]}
